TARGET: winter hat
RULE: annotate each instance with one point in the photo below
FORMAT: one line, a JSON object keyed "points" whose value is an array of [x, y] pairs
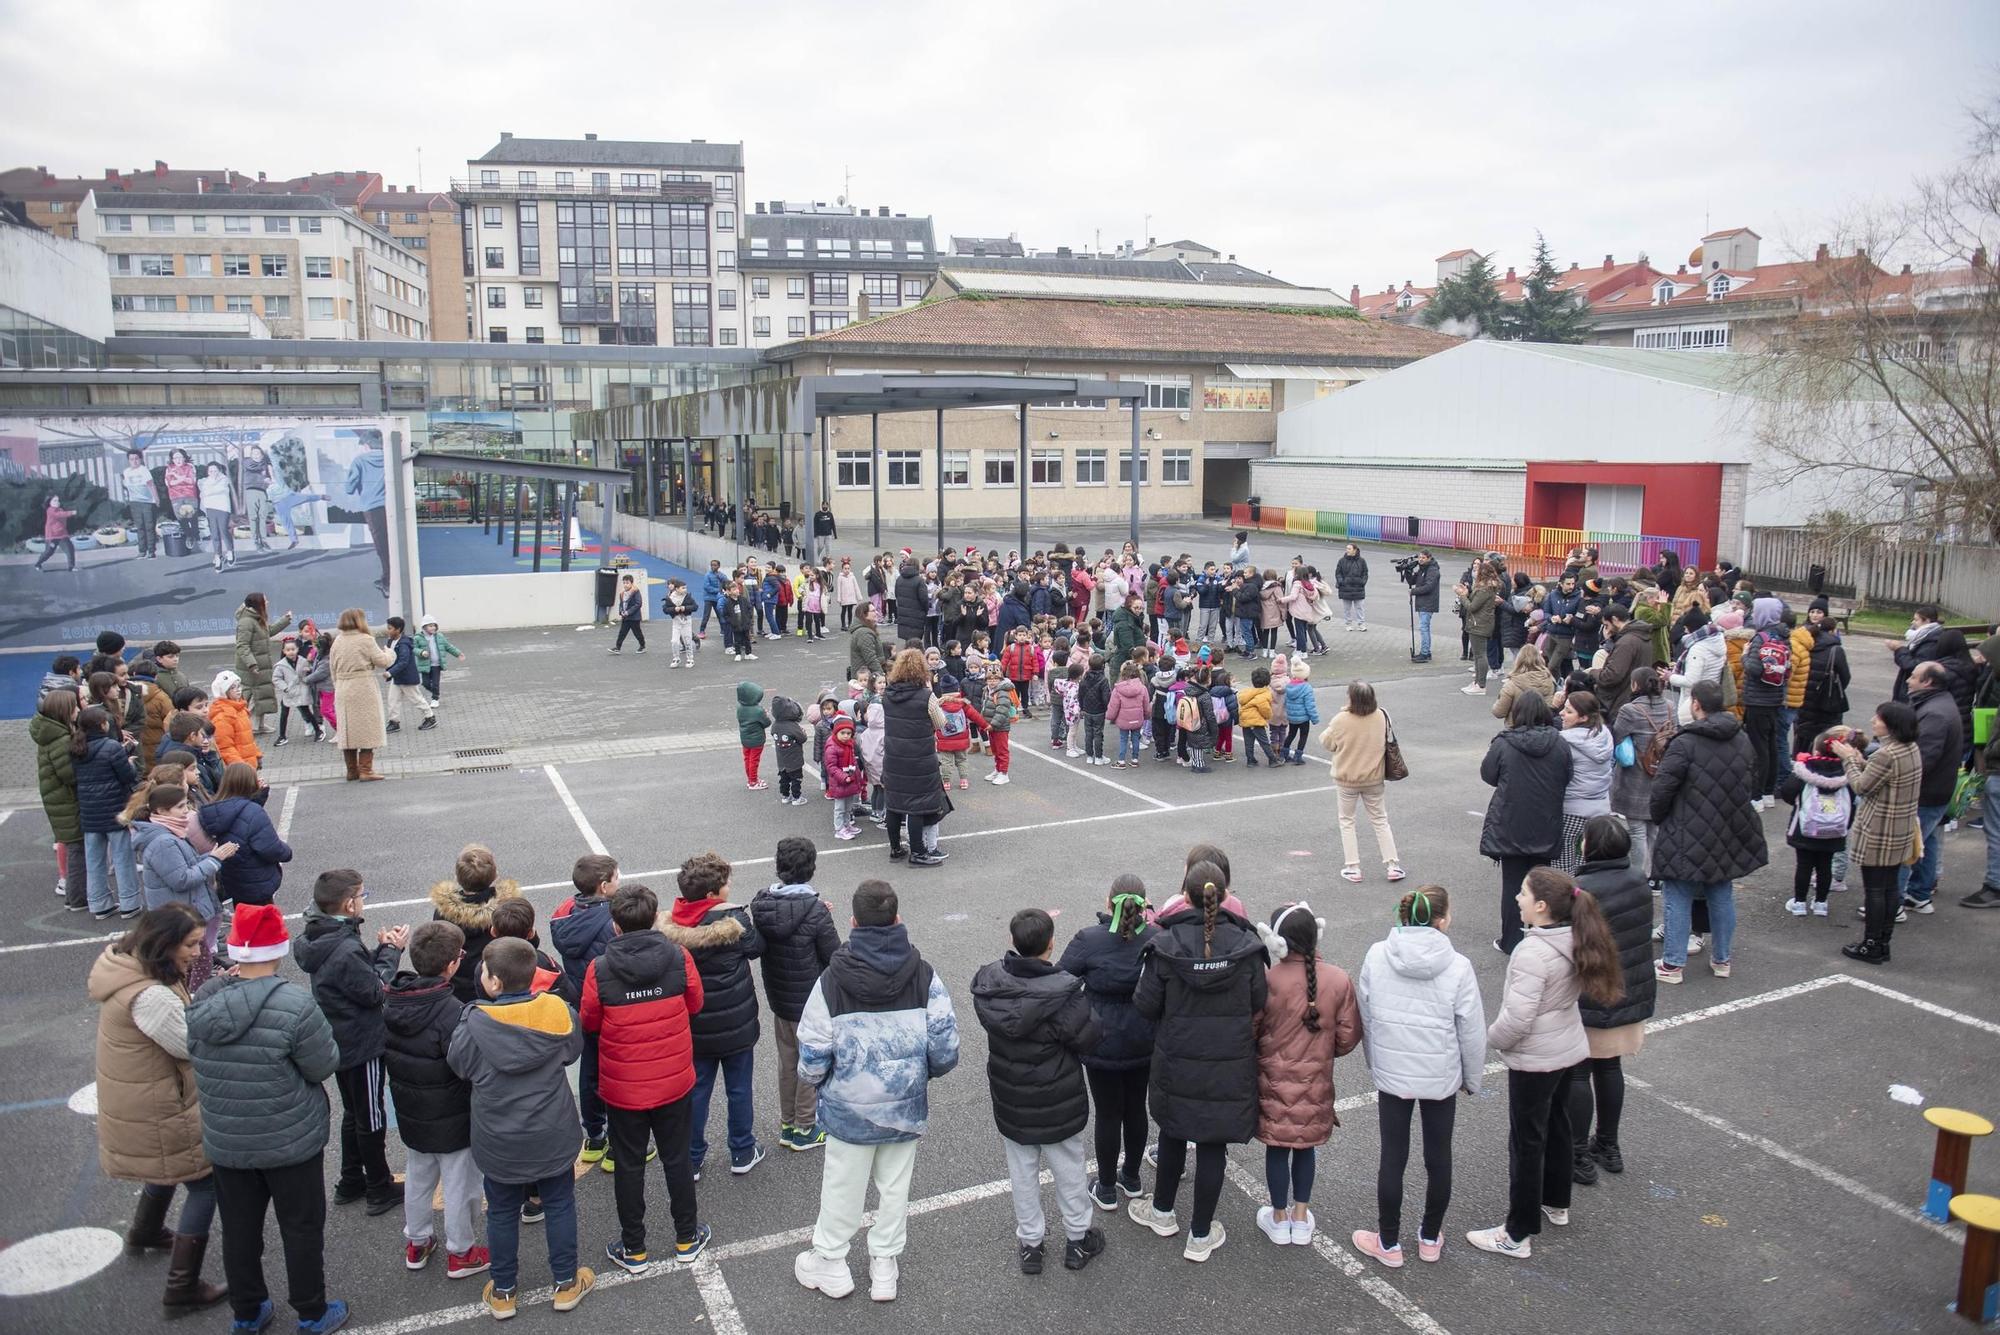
{"points": [[1729, 616], [427, 621], [947, 684], [843, 729], [1593, 586], [1766, 612], [258, 934], [225, 682], [1820, 604]]}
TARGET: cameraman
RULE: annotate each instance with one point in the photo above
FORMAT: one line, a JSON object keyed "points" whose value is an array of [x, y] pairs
{"points": [[1423, 579]]}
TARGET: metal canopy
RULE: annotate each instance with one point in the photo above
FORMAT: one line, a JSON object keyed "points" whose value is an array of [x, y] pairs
{"points": [[528, 468]]}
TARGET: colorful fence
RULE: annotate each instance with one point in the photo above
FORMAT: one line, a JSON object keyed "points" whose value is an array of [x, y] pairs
{"points": [[1541, 552]]}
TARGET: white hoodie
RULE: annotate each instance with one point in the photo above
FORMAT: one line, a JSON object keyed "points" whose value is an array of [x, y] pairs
{"points": [[1423, 1026]]}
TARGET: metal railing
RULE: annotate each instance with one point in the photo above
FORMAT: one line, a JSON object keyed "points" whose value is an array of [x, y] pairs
{"points": [[466, 190]]}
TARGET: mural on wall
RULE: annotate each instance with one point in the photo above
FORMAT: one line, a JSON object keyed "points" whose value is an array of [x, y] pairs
{"points": [[157, 526]]}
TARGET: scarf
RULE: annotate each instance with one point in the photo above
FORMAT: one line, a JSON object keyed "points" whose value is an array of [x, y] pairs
{"points": [[173, 824]]}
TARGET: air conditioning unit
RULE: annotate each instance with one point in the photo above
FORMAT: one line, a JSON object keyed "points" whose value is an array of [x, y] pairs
{"points": [[1184, 417]]}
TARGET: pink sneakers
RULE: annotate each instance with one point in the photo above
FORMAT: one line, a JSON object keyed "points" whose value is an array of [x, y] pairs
{"points": [[1370, 1244], [1428, 1250]]}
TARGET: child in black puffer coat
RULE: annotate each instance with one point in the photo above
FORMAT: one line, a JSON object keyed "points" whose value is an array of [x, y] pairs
{"points": [[799, 938], [1106, 957]]}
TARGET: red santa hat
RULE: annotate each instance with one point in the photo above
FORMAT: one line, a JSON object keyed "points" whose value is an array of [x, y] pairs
{"points": [[258, 935]]}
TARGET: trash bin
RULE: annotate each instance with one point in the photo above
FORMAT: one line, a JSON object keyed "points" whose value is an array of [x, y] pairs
{"points": [[1256, 510], [607, 587], [172, 542]]}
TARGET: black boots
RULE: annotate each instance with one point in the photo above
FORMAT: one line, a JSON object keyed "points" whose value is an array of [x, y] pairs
{"points": [[186, 1289], [1582, 1168], [1607, 1154], [1867, 950], [149, 1226]]}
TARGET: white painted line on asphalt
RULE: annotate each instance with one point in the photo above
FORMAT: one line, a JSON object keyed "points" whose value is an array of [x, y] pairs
{"points": [[285, 812], [723, 1316], [1108, 783], [1830, 1176], [1973, 1021], [1397, 1303], [575, 811], [1745, 1003], [5, 814]]}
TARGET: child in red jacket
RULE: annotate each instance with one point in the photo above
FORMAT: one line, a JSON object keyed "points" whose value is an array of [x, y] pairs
{"points": [[637, 998], [840, 764], [954, 738], [1022, 662]]}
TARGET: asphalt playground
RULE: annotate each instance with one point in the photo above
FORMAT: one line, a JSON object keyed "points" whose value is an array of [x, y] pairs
{"points": [[1774, 1180]]}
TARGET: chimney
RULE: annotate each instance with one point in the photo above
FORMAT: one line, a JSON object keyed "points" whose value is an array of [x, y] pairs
{"points": [[691, 141], [1682, 270], [1232, 259], [201, 185], [1152, 241], [1979, 258], [1607, 261], [159, 167], [1572, 265], [110, 173], [1861, 253], [1819, 256], [1354, 295], [260, 178], [1062, 252], [882, 210], [1510, 274], [760, 206], [1906, 271], [340, 178], [590, 137]]}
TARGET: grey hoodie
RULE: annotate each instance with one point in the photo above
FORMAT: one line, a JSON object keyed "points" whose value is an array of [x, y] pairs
{"points": [[261, 1050], [1588, 792], [1423, 1026], [513, 1050]]}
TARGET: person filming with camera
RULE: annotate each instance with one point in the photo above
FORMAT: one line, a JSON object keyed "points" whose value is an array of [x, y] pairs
{"points": [[1421, 573]]}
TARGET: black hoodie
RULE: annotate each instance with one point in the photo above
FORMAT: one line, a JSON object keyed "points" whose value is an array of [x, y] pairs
{"points": [[1093, 693], [347, 982], [1038, 1023], [788, 735], [1528, 769], [433, 1106], [1205, 1004]]}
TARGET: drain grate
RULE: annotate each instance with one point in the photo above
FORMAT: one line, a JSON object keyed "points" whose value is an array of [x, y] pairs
{"points": [[471, 751], [483, 769]]}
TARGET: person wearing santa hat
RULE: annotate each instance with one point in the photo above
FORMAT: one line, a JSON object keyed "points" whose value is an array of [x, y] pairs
{"points": [[261, 1051]]}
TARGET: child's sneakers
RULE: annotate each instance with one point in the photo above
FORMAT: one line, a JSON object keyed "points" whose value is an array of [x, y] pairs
{"points": [[1430, 1250], [1200, 1248], [266, 1310], [417, 1255], [964, 784], [823, 1273], [631, 1261], [606, 1163], [846, 832], [802, 1137], [594, 1149], [884, 1276], [1104, 1194], [1000, 780], [1030, 1256], [1162, 1222], [570, 1294], [464, 1265], [1073, 753], [748, 1161], [1819, 908], [1303, 1229], [1079, 1252], [1668, 973], [1370, 1244], [1495, 1240], [758, 786], [1276, 1229], [1796, 907], [687, 1253], [532, 1211]]}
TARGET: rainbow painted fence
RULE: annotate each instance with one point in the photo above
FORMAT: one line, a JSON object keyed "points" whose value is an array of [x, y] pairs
{"points": [[1539, 551]]}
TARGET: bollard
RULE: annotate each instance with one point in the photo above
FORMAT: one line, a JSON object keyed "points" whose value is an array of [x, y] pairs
{"points": [[1956, 1130], [1979, 1272]]}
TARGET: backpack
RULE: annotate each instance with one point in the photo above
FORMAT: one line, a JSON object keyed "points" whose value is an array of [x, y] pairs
{"points": [[1774, 658], [954, 723], [1656, 745], [1187, 714], [1824, 813]]}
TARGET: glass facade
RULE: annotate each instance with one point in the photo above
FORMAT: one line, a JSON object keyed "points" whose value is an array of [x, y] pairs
{"points": [[36, 345]]}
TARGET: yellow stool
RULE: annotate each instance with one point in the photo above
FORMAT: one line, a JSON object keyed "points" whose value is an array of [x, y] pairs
{"points": [[1979, 1272], [1956, 1131]]}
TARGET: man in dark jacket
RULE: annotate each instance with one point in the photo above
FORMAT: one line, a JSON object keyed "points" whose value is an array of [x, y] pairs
{"points": [[1528, 767], [261, 1052], [347, 982], [1706, 832], [799, 938], [1038, 1023], [580, 928], [1630, 647], [1424, 581], [433, 1106], [913, 603], [823, 525], [722, 941], [639, 997], [1561, 606], [1941, 744]]}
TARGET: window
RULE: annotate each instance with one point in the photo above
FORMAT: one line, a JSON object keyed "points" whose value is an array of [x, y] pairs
{"points": [[870, 248], [200, 222], [904, 468], [795, 326], [413, 217], [638, 181], [1405, 301], [279, 307], [311, 226], [198, 266], [1683, 336], [1226, 394], [117, 222], [528, 236], [490, 216], [837, 246], [521, 178], [760, 326], [725, 259], [795, 287], [571, 334], [913, 289], [276, 266], [235, 266], [829, 289], [1663, 294], [535, 334], [795, 248], [725, 298], [564, 180], [203, 304], [883, 290], [1176, 467], [143, 304], [1125, 467], [913, 250], [1718, 286], [232, 222], [691, 318], [319, 266], [725, 186], [496, 257], [1068, 404], [760, 287], [760, 247], [956, 470], [825, 322], [727, 337], [725, 220], [319, 308], [160, 222], [495, 334], [1000, 468], [1045, 468], [489, 176], [239, 305], [852, 468], [143, 266], [277, 224], [531, 297], [1167, 391], [496, 298], [572, 375], [1090, 468], [638, 314]]}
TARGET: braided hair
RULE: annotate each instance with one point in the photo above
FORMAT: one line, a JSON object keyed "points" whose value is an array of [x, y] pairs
{"points": [[1423, 906], [1128, 906], [1203, 887], [1299, 930]]}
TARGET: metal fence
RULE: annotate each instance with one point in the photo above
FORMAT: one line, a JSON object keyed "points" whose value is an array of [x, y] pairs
{"points": [[1963, 580], [1539, 551]]}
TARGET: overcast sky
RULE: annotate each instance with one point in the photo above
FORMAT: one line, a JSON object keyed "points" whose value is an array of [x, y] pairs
{"points": [[1328, 143]]}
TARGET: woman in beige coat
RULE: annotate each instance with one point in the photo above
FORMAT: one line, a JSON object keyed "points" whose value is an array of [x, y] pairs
{"points": [[1358, 739], [1529, 673], [356, 664], [148, 1122]]}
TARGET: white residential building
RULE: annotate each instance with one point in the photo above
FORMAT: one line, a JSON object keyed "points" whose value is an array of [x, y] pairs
{"points": [[812, 268]]}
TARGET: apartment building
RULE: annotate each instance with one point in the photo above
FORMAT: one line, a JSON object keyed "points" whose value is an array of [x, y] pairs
{"points": [[427, 223], [53, 201], [603, 241], [812, 268], [254, 266]]}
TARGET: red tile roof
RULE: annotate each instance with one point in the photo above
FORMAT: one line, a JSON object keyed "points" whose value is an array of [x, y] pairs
{"points": [[1137, 330]]}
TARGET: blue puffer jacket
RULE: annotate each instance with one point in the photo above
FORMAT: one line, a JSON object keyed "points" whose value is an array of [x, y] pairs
{"points": [[877, 1029], [580, 928], [104, 780], [172, 872], [253, 875], [403, 669], [1108, 964], [261, 1052], [1301, 706]]}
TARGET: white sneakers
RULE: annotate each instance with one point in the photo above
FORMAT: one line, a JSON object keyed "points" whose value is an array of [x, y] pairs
{"points": [[1000, 780], [1560, 1218], [1201, 1248], [825, 1274], [1495, 1240], [1162, 1222], [1796, 907], [883, 1275], [1471, 689], [1285, 1232]]}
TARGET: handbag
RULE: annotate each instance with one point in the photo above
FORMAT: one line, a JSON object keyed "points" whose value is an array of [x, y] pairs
{"points": [[1394, 767]]}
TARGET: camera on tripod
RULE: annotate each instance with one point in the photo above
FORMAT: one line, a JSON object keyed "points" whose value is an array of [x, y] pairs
{"points": [[1406, 568]]}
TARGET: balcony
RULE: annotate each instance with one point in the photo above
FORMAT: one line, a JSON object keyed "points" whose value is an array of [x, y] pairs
{"points": [[466, 191], [189, 324]]}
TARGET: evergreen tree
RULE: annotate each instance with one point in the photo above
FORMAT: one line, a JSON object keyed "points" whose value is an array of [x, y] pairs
{"points": [[1470, 302], [1546, 313]]}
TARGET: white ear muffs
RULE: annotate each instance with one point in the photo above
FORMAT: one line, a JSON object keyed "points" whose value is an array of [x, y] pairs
{"points": [[1273, 943]]}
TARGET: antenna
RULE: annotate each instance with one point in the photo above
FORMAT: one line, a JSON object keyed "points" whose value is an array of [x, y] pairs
{"points": [[847, 184], [420, 167]]}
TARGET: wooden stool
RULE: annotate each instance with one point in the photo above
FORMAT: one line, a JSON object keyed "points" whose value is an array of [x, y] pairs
{"points": [[1956, 1131], [1979, 1272]]}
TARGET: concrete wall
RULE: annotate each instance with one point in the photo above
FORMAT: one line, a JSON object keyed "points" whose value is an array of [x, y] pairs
{"points": [[507, 602], [1490, 491], [63, 282]]}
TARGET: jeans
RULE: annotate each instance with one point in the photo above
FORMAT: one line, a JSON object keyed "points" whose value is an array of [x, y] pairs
{"points": [[1679, 897], [144, 514], [504, 1200], [290, 502], [736, 1070], [1289, 1174], [1353, 612], [1990, 805], [1128, 746], [1250, 638], [67, 546], [1093, 736], [1538, 1148], [197, 1210], [710, 607], [1209, 1162], [1917, 883], [101, 852], [1424, 634], [1118, 1104], [297, 1194], [1392, 1115], [666, 1126], [1254, 737]]}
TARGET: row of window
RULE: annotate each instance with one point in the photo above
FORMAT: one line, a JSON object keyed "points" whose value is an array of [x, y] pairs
{"points": [[233, 266], [1683, 336], [637, 333], [274, 307], [231, 222], [725, 186], [837, 247], [904, 469]]}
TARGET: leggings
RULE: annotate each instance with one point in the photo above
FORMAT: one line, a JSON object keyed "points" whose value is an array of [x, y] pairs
{"points": [[1119, 1098], [1603, 1077], [847, 616], [1295, 739], [1393, 1116], [305, 712], [1811, 866], [1209, 1160], [814, 623], [1289, 1175], [1513, 871]]}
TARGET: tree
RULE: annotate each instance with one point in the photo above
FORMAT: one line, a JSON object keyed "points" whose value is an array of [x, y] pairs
{"points": [[1469, 303], [1880, 393], [1546, 312]]}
